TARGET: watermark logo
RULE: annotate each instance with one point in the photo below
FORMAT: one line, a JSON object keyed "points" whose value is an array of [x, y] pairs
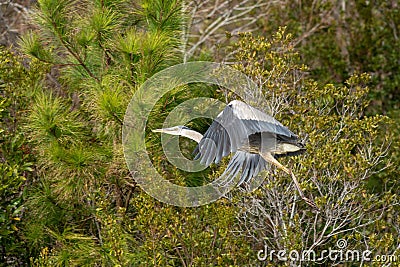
{"points": [[138, 112], [338, 254]]}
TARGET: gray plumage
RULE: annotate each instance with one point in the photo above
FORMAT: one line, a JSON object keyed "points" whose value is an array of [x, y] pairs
{"points": [[254, 137]]}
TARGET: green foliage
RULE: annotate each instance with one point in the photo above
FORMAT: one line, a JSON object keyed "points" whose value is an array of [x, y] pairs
{"points": [[162, 16], [85, 209], [345, 148], [52, 121], [185, 236], [338, 38], [16, 161], [79, 205]]}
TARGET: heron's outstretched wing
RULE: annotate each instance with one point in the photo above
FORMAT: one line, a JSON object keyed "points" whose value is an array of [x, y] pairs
{"points": [[232, 127], [250, 166]]}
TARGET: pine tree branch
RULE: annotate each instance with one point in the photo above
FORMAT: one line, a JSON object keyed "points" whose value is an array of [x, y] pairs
{"points": [[75, 55]]}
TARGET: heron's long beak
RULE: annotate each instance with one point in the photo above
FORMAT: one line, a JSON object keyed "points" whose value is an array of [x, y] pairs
{"points": [[158, 130]]}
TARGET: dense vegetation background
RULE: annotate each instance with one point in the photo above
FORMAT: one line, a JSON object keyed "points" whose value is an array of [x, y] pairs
{"points": [[69, 68]]}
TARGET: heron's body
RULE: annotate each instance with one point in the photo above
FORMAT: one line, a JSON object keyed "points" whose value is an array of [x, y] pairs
{"points": [[277, 145], [254, 137]]}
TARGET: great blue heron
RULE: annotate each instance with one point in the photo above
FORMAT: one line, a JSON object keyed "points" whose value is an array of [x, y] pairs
{"points": [[255, 137]]}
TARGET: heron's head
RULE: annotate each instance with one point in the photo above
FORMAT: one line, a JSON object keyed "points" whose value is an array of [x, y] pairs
{"points": [[176, 130]]}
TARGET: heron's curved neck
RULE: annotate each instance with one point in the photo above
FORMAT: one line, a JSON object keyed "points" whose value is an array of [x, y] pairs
{"points": [[196, 136]]}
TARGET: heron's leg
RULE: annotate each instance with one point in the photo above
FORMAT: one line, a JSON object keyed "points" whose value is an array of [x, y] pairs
{"points": [[269, 158], [307, 200]]}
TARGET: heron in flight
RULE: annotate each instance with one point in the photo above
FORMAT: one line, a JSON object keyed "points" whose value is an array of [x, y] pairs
{"points": [[255, 137]]}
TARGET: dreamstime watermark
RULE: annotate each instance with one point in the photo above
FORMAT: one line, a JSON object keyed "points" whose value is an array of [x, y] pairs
{"points": [[175, 78], [337, 255]]}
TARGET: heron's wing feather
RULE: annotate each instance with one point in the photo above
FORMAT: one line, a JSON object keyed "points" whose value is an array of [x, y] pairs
{"points": [[250, 165], [247, 169], [233, 170], [217, 141], [232, 127], [254, 165], [258, 121]]}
